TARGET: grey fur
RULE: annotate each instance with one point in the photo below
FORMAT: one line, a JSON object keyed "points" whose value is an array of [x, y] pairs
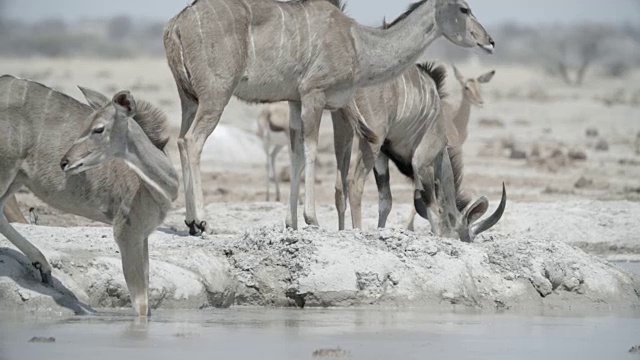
{"points": [[306, 52]]}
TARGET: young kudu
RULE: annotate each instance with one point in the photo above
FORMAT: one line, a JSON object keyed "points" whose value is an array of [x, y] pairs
{"points": [[113, 168], [406, 116], [306, 52], [457, 120], [273, 129]]}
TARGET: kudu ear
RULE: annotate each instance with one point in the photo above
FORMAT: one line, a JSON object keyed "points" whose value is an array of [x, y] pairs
{"points": [[124, 104], [485, 78], [95, 99], [458, 75], [475, 211]]}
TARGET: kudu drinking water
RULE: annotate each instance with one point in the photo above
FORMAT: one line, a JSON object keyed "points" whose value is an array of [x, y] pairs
{"points": [[306, 52], [406, 115], [104, 162], [457, 118]]}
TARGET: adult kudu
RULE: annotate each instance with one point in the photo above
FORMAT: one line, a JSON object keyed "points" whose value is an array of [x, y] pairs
{"points": [[306, 52], [104, 162], [457, 118], [407, 117]]}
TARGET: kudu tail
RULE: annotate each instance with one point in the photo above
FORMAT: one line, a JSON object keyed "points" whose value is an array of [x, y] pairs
{"points": [[175, 57], [358, 124]]}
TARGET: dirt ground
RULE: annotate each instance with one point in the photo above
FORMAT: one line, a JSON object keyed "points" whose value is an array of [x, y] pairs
{"points": [[531, 134]]}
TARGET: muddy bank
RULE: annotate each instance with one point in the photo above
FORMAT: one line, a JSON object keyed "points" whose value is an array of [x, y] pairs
{"points": [[270, 266]]}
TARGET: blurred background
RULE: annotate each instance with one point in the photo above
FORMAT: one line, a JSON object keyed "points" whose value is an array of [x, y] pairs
{"points": [[560, 121]]}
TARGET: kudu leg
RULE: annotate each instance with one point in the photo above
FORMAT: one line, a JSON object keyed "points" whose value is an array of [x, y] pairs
{"points": [[190, 146], [343, 140], [385, 200], [134, 251], [296, 153], [411, 220], [361, 166], [267, 145], [312, 106], [276, 178], [32, 253]]}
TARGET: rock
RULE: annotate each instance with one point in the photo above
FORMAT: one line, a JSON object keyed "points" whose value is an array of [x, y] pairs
{"points": [[583, 183], [337, 353], [517, 154], [486, 122], [602, 145], [577, 155], [510, 276], [42, 340], [592, 132], [24, 294]]}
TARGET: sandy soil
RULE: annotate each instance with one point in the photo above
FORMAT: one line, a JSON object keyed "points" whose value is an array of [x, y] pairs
{"points": [[524, 110], [553, 195]]}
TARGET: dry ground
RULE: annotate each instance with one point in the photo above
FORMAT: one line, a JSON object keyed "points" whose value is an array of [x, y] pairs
{"points": [[525, 111]]}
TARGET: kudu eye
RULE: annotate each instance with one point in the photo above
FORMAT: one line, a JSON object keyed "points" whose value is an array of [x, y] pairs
{"points": [[98, 130], [464, 10]]}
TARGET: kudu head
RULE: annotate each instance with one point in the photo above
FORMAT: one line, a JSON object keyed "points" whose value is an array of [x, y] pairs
{"points": [[471, 86], [106, 135], [465, 223], [458, 24]]}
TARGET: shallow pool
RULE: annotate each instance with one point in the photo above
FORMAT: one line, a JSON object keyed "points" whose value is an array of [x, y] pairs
{"points": [[633, 266], [242, 333]]}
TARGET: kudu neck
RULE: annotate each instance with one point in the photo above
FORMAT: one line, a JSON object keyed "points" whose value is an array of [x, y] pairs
{"points": [[151, 164], [384, 54]]}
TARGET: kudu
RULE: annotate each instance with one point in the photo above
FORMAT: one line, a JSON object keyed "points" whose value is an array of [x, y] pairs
{"points": [[406, 116], [104, 162], [457, 119], [273, 129], [306, 52]]}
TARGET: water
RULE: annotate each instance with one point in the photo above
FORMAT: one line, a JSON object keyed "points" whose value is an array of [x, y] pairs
{"points": [[633, 266], [242, 333]]}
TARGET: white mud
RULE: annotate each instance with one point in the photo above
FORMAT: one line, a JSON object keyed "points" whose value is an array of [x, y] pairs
{"points": [[270, 266]]}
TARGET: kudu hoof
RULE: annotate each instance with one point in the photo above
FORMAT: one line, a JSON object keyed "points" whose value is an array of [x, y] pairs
{"points": [[46, 277], [195, 228]]}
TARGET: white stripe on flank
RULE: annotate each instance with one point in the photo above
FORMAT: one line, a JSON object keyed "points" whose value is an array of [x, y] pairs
{"points": [[215, 16], [404, 104], [45, 113], [204, 48], [284, 29], [251, 42], [306, 17], [148, 181], [233, 22]]}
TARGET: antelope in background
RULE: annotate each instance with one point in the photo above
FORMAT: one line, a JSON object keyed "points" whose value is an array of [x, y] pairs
{"points": [[113, 168], [406, 116], [457, 120], [273, 129], [306, 52]]}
